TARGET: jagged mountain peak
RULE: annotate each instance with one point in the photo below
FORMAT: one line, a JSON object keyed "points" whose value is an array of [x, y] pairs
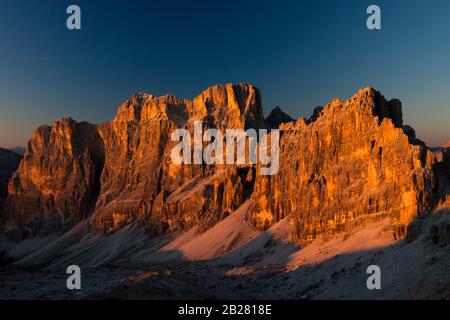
{"points": [[277, 117], [366, 102], [220, 106]]}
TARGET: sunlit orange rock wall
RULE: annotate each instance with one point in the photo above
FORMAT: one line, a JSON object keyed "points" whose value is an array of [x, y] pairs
{"points": [[350, 162], [56, 185], [139, 179]]}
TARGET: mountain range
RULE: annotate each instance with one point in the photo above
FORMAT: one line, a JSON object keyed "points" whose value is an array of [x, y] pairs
{"points": [[355, 187]]}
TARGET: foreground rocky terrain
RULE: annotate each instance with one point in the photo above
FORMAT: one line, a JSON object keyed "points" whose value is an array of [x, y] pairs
{"points": [[268, 266], [355, 187]]}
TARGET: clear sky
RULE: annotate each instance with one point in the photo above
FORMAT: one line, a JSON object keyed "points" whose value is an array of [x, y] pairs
{"points": [[299, 53]]}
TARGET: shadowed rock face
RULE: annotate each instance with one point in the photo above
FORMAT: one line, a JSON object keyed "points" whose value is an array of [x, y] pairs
{"points": [[9, 162], [278, 117], [57, 182], [350, 162]]}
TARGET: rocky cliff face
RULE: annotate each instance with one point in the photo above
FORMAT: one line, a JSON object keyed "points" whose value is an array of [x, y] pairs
{"points": [[9, 162], [57, 182], [139, 179], [350, 162]]}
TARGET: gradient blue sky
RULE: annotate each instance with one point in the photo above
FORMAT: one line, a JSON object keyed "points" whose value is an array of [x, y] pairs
{"points": [[299, 53]]}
